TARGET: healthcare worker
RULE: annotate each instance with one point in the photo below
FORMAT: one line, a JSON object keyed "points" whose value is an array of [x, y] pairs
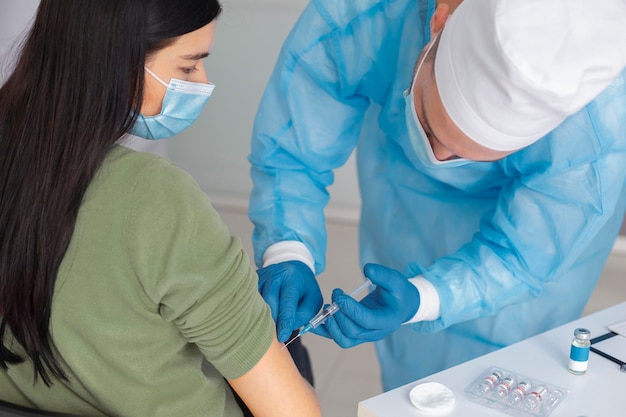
{"points": [[491, 160]]}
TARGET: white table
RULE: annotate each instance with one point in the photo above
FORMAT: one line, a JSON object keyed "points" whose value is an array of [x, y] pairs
{"points": [[601, 392]]}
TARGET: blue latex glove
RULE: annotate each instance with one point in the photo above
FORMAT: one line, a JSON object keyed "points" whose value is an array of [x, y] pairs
{"points": [[394, 301], [293, 294]]}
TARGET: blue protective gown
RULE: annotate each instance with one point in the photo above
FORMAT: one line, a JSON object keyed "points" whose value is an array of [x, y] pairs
{"points": [[514, 247]]}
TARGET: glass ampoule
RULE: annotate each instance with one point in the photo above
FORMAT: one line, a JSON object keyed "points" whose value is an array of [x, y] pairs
{"points": [[519, 392], [490, 381], [503, 388], [534, 399]]}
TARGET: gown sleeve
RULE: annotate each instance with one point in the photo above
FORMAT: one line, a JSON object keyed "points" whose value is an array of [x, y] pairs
{"points": [[309, 120], [565, 190]]}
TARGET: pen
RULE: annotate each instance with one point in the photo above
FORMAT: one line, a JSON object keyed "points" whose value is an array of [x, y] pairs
{"points": [[622, 364]]}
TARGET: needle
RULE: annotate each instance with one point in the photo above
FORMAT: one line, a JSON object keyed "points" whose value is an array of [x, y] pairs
{"points": [[323, 315], [291, 340]]}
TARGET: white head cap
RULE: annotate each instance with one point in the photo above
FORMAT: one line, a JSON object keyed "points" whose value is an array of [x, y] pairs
{"points": [[510, 71]]}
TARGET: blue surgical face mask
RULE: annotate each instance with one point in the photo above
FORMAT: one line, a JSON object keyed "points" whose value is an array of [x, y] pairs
{"points": [[182, 104], [416, 132]]}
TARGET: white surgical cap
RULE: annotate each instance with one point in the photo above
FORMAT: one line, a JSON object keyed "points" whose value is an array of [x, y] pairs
{"points": [[510, 71]]}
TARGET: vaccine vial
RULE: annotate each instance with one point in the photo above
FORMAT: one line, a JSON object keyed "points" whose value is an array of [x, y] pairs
{"points": [[534, 399], [519, 392], [490, 381], [504, 387], [579, 352]]}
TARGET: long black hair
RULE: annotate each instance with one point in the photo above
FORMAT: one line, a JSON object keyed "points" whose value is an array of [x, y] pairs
{"points": [[70, 97]]}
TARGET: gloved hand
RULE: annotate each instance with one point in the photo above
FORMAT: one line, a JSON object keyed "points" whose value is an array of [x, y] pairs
{"points": [[394, 301], [293, 294]]}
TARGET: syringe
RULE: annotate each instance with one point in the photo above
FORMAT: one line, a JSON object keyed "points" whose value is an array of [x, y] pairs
{"points": [[322, 316]]}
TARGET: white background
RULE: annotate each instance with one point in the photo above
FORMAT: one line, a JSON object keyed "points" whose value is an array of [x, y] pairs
{"points": [[215, 149]]}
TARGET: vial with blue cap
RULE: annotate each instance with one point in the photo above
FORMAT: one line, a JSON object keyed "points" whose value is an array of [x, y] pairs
{"points": [[579, 352]]}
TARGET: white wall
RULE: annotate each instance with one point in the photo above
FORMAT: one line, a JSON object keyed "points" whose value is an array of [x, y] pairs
{"points": [[15, 17], [215, 149]]}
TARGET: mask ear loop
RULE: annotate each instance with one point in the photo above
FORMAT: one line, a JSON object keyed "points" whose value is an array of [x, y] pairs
{"points": [[419, 66], [156, 77], [427, 144]]}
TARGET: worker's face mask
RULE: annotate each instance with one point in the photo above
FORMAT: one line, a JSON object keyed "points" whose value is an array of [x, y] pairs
{"points": [[182, 104], [416, 132]]}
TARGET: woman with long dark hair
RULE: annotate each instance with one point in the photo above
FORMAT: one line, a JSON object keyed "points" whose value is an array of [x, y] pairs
{"points": [[121, 291]]}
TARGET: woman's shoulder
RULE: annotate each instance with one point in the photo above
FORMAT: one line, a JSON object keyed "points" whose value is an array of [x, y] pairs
{"points": [[127, 166], [128, 178], [123, 157]]}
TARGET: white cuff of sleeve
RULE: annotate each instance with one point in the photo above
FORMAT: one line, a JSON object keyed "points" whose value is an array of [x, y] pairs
{"points": [[288, 250], [430, 305]]}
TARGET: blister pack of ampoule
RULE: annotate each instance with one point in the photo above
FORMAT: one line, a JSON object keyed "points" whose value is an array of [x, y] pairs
{"points": [[515, 394]]}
